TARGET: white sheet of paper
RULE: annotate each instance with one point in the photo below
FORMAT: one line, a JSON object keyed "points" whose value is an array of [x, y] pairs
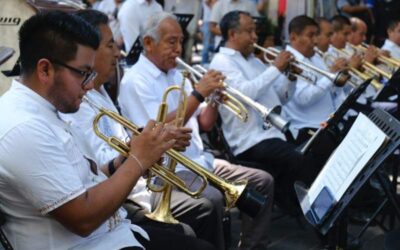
{"points": [[358, 147]]}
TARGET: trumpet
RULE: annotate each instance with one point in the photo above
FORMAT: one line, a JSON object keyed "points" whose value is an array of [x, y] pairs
{"points": [[390, 62], [271, 117], [162, 212], [357, 74], [370, 67], [339, 78], [236, 193]]}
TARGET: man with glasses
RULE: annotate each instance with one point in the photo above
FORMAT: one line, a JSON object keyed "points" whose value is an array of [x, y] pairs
{"points": [[53, 194], [197, 213]]}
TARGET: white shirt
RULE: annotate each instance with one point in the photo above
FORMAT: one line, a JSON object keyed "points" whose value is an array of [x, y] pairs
{"points": [[312, 103], [132, 17], [109, 7], [264, 85], [83, 120], [222, 7], [393, 48], [142, 88], [43, 165]]}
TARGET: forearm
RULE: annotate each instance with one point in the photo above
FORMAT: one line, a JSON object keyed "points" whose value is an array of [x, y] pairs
{"points": [[99, 202], [354, 9], [208, 117]]}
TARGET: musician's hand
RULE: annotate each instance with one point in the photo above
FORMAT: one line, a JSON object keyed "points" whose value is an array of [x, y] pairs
{"points": [[151, 144], [211, 81], [182, 135], [283, 60], [371, 54], [383, 52], [355, 61], [338, 65]]}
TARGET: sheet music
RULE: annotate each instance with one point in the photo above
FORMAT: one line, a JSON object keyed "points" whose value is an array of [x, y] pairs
{"points": [[358, 147]]}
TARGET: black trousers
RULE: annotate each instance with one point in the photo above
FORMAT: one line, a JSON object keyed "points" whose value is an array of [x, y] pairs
{"points": [[161, 239], [197, 217], [284, 163]]}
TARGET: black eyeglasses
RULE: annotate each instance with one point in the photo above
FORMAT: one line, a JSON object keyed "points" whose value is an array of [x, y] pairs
{"points": [[88, 75]]}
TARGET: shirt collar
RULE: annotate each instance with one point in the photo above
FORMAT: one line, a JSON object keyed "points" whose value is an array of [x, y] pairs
{"points": [[34, 96], [295, 52], [231, 52], [153, 70], [391, 43]]}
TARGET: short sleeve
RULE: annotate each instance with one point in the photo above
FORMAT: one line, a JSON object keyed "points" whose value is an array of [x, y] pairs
{"points": [[37, 164]]}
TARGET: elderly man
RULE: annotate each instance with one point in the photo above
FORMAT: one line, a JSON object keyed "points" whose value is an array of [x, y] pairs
{"points": [[141, 93], [198, 213], [56, 195]]}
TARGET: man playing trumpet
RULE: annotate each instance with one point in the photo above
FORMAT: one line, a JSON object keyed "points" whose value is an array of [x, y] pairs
{"points": [[197, 213], [141, 92]]}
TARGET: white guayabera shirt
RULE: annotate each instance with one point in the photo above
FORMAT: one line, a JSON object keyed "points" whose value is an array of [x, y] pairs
{"points": [[43, 165]]}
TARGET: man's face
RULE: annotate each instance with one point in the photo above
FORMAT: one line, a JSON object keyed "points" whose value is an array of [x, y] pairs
{"points": [[245, 36], [67, 91], [164, 53], [324, 36], [394, 35], [340, 38], [305, 41], [360, 35], [106, 56]]}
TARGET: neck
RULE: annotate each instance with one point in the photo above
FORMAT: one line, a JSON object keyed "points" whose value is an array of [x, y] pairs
{"points": [[154, 61], [233, 46]]}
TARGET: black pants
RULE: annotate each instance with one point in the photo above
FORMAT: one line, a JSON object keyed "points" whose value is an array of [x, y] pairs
{"points": [[284, 163], [198, 215], [161, 239]]}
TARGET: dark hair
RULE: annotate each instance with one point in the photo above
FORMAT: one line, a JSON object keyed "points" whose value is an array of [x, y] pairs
{"points": [[338, 22], [299, 23], [54, 35], [94, 17], [230, 21], [319, 21], [392, 24]]}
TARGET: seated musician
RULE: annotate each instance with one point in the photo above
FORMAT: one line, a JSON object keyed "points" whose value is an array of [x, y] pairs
{"points": [[324, 61], [53, 194], [392, 43], [142, 88], [251, 141], [198, 213], [313, 100]]}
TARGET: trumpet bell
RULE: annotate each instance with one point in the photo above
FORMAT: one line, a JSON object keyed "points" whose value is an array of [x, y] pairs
{"points": [[277, 121], [251, 202]]}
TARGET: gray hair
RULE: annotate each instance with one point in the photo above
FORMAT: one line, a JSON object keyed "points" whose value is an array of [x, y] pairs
{"points": [[151, 27]]}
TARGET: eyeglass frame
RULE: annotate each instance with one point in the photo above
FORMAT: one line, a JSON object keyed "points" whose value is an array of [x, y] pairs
{"points": [[89, 74]]}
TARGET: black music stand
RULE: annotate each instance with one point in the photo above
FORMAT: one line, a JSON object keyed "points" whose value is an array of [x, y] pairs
{"points": [[184, 19], [134, 53], [5, 54], [337, 117], [391, 88], [335, 220], [15, 71]]}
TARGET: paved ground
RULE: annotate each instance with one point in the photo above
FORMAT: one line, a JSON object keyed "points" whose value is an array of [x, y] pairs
{"points": [[287, 233]]}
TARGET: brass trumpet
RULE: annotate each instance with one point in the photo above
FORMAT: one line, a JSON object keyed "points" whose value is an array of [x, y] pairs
{"points": [[236, 193], [328, 59], [162, 212], [390, 62], [339, 78], [271, 117]]}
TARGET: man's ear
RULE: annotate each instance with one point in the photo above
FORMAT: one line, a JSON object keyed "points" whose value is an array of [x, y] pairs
{"points": [[44, 70], [148, 43], [293, 37], [231, 34]]}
